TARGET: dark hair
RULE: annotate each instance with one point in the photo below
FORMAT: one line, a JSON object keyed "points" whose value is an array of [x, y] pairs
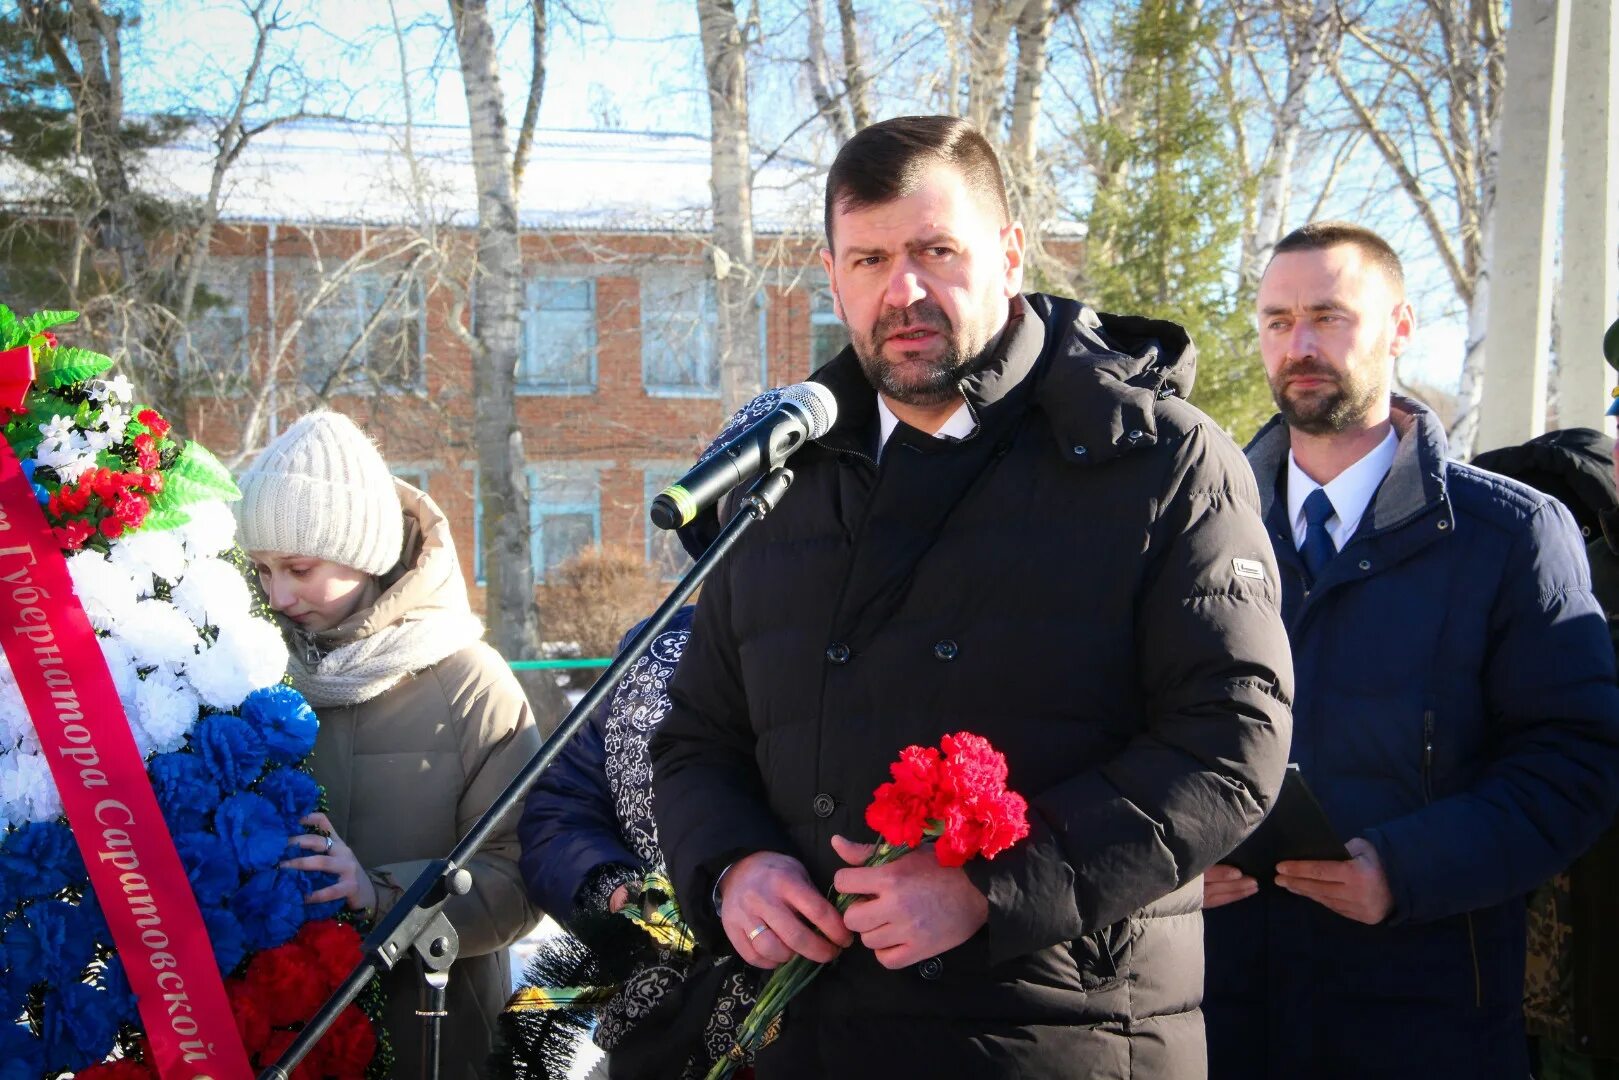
{"points": [[1320, 235], [887, 160]]}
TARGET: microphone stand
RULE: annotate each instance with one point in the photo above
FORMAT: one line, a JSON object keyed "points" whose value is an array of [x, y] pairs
{"points": [[417, 923]]}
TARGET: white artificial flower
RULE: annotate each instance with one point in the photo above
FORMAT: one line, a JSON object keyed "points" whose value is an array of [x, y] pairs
{"points": [[147, 554], [120, 665], [213, 593], [117, 388], [27, 790], [211, 528], [115, 418], [98, 441], [159, 633], [167, 709], [249, 654], [16, 726], [70, 472], [106, 591], [58, 429]]}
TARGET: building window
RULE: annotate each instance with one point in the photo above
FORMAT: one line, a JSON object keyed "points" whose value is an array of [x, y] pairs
{"points": [[828, 335], [558, 354], [369, 334], [216, 340], [678, 332], [564, 513], [414, 475], [664, 551]]}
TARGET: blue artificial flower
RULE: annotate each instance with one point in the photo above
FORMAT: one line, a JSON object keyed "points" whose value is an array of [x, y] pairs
{"points": [[284, 718], [227, 937], [210, 864], [309, 881], [93, 921], [293, 793], [28, 467], [252, 830], [232, 750], [22, 1056], [185, 788], [76, 1027], [41, 494], [12, 991], [39, 860], [120, 996], [270, 907], [51, 941]]}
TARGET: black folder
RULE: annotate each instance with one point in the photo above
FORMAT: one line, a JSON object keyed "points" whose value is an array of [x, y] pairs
{"points": [[1295, 828]]}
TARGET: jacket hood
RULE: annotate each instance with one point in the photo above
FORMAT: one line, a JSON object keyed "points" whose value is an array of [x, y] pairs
{"points": [[1573, 466], [427, 580], [1096, 376]]}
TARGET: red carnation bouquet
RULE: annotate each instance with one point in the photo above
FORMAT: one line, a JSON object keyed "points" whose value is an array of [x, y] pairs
{"points": [[953, 796]]}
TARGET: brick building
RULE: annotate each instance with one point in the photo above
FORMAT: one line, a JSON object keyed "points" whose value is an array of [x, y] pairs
{"points": [[617, 376]]}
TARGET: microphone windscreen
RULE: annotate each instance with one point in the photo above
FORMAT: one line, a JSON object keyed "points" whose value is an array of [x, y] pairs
{"points": [[817, 403]]}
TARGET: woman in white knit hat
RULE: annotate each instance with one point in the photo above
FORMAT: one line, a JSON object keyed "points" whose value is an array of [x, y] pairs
{"points": [[421, 723]]}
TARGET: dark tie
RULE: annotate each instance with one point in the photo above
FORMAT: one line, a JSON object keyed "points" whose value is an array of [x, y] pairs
{"points": [[1318, 548]]}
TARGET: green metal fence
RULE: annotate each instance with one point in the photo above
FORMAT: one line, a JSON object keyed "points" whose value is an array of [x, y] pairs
{"points": [[560, 665]]}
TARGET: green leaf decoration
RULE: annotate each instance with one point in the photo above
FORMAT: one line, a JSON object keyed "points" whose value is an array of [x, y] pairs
{"points": [[8, 329], [67, 366], [197, 475], [44, 320], [24, 434], [167, 518]]}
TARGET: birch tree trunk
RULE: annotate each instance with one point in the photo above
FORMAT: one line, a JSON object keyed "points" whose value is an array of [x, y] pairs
{"points": [[986, 70], [497, 289], [818, 68], [1313, 38], [854, 71], [731, 181]]}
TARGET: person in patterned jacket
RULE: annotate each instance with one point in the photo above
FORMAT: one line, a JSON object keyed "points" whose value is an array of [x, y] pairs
{"points": [[589, 841]]}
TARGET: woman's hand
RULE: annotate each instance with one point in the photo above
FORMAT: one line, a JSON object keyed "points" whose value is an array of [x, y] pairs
{"points": [[332, 856]]}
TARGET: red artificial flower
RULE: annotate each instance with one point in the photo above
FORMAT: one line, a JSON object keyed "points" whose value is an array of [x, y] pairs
{"points": [[900, 811], [122, 1069], [69, 500], [50, 339], [286, 983], [336, 947], [154, 423], [72, 535], [111, 528], [152, 482], [348, 1046], [131, 509], [145, 452], [251, 1022]]}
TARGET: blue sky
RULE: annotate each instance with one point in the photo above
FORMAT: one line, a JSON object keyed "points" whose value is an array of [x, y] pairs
{"points": [[627, 64]]}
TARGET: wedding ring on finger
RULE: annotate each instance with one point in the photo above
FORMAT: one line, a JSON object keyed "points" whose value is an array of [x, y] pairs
{"points": [[756, 931], [328, 850]]}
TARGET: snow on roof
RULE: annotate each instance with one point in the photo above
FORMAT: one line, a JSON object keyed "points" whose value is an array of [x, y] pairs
{"points": [[327, 172]]}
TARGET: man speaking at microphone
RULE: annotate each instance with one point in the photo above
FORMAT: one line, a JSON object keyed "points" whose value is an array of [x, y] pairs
{"points": [[1016, 527]]}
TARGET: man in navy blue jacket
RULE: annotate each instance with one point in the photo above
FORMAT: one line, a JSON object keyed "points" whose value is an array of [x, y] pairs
{"points": [[1456, 711]]}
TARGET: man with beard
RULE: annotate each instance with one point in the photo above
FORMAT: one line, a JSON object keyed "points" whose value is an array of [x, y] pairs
{"points": [[1456, 713], [1018, 528]]}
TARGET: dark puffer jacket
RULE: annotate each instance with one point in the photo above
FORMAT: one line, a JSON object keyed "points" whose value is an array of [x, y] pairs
{"points": [[1457, 708], [1086, 582]]}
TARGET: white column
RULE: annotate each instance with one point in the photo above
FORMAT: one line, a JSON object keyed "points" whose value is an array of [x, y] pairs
{"points": [[1590, 285], [1519, 327]]}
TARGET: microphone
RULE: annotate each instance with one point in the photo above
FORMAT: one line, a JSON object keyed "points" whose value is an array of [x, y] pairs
{"points": [[804, 411]]}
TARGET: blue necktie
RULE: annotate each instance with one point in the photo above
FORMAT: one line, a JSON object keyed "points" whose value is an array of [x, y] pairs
{"points": [[1318, 548]]}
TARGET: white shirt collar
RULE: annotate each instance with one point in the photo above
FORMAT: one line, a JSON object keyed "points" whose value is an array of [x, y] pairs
{"points": [[1351, 491], [960, 425]]}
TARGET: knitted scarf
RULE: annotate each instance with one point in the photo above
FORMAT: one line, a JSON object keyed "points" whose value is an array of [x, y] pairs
{"points": [[360, 670]]}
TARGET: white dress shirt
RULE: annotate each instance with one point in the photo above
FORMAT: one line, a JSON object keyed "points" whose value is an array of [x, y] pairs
{"points": [[1351, 491], [960, 425]]}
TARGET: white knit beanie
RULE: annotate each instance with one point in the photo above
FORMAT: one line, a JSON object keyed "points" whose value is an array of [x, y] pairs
{"points": [[323, 490]]}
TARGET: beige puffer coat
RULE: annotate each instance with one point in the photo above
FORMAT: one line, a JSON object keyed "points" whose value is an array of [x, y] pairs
{"points": [[408, 771]]}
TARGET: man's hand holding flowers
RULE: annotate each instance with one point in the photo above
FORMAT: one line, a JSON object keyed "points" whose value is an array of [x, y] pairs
{"points": [[772, 912], [913, 908]]}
